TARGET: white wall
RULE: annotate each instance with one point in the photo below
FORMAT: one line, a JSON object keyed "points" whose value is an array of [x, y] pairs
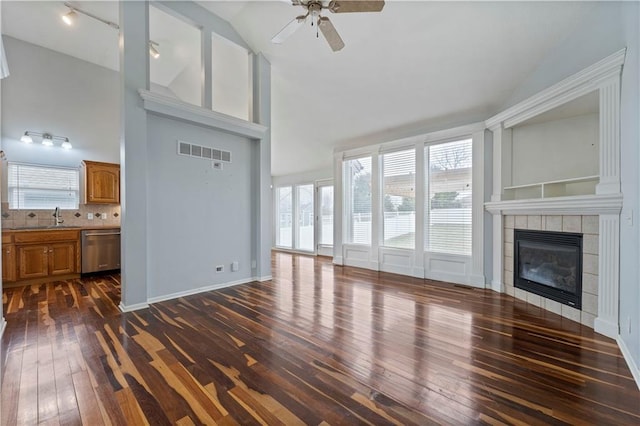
{"points": [[52, 92], [198, 217], [568, 148], [611, 27]]}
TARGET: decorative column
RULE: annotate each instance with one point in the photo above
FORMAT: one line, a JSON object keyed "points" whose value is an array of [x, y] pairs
{"points": [[338, 211], [420, 192], [607, 321], [500, 134], [481, 190]]}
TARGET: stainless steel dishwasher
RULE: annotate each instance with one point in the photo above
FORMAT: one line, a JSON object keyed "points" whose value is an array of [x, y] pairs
{"points": [[100, 250]]}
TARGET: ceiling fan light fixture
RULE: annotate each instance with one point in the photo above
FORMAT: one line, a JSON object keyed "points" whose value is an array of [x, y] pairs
{"points": [[26, 138], [70, 17], [155, 54]]}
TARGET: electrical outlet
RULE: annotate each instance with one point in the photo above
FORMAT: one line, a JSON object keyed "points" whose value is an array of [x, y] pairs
{"points": [[104, 216], [235, 266], [217, 165], [90, 216], [219, 268]]}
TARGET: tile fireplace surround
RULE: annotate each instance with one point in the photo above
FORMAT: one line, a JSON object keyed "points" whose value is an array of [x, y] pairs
{"points": [[586, 225]]}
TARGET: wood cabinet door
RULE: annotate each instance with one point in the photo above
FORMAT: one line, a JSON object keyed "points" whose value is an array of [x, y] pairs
{"points": [[62, 258], [8, 262], [103, 184], [33, 261]]}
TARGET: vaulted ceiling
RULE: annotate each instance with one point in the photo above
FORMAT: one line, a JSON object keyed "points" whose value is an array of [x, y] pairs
{"points": [[415, 66]]}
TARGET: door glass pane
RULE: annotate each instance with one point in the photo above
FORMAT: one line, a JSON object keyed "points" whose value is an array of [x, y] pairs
{"points": [[326, 216], [304, 235], [284, 218], [448, 227], [399, 198], [357, 191]]}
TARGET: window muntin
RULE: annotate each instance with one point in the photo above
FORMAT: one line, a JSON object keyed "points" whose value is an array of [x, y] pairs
{"points": [[358, 200], [399, 199], [448, 200], [36, 187]]}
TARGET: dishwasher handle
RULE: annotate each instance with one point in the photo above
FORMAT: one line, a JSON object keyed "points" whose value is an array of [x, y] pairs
{"points": [[100, 235]]}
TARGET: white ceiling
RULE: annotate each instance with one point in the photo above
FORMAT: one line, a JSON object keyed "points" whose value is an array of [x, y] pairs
{"points": [[414, 66]]}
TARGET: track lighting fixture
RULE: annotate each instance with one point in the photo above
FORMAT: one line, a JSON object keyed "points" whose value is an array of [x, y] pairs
{"points": [[47, 139], [152, 49], [73, 13]]}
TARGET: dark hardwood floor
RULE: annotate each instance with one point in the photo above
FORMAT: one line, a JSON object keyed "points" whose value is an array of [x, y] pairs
{"points": [[317, 345]]}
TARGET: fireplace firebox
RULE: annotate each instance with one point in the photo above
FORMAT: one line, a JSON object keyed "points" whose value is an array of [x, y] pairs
{"points": [[549, 264]]}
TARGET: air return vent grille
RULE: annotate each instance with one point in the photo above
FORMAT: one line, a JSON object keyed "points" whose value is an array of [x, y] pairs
{"points": [[192, 150]]}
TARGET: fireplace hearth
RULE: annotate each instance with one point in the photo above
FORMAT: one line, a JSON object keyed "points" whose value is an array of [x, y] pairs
{"points": [[549, 264]]}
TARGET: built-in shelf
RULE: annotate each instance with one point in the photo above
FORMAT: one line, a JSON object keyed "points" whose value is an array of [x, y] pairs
{"points": [[556, 188]]}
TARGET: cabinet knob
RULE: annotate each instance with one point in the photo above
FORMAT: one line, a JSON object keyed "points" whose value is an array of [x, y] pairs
{"points": [[45, 250], [51, 251]]}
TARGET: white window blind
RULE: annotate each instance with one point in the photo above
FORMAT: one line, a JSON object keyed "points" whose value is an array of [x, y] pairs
{"points": [[35, 187], [448, 221], [399, 199], [358, 200], [284, 204], [326, 216]]}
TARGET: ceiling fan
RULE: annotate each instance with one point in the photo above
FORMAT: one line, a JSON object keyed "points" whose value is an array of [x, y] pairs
{"points": [[314, 10]]}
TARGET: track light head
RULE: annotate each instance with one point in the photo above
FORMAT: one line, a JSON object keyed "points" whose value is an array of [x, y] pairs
{"points": [[152, 49], [70, 17]]}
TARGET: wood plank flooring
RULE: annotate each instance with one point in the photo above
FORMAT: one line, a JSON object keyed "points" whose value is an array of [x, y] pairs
{"points": [[316, 345]]}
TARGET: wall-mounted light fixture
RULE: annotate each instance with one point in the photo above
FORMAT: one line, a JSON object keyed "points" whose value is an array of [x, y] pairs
{"points": [[47, 139]]}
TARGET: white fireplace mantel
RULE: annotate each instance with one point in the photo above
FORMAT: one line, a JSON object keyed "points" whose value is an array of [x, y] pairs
{"points": [[575, 205]]}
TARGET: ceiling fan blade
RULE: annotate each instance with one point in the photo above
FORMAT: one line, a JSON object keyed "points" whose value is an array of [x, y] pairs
{"points": [[347, 6], [330, 34], [289, 29]]}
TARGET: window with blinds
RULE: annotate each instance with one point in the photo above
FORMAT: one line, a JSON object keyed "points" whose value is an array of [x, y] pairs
{"points": [[305, 215], [36, 187], [448, 200], [358, 200], [399, 199], [284, 218]]}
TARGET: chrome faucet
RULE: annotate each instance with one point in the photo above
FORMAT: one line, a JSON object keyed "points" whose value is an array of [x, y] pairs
{"points": [[56, 215]]}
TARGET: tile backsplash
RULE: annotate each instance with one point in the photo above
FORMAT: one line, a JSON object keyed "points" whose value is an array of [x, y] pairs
{"points": [[21, 218]]}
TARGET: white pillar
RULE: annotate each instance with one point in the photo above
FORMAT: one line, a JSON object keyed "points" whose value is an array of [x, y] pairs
{"points": [[376, 213], [478, 191], [420, 192], [338, 210], [609, 137]]}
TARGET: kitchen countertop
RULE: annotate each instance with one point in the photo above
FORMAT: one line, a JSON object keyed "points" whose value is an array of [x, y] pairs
{"points": [[58, 228]]}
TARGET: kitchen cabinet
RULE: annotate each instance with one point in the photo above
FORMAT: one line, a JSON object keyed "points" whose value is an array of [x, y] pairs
{"points": [[100, 182], [40, 255], [8, 262]]}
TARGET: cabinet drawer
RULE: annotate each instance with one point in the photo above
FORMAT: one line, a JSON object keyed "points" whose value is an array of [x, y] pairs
{"points": [[7, 238], [46, 236]]}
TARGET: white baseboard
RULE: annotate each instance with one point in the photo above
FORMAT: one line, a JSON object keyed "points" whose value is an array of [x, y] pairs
{"points": [[497, 286], [204, 289], [131, 308], [262, 279], [635, 371], [477, 281], [606, 327]]}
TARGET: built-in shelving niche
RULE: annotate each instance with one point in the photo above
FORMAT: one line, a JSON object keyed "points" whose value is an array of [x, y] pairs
{"points": [[556, 153]]}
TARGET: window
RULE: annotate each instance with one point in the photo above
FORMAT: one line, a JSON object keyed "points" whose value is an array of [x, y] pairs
{"points": [[358, 200], [34, 187], [325, 233], [304, 214], [284, 204], [448, 201], [399, 199]]}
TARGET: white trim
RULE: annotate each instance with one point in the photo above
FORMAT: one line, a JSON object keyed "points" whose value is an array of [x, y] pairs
{"points": [[575, 205], [165, 105], [337, 260], [199, 290], [263, 279], [626, 353], [561, 92], [605, 326], [131, 308]]}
